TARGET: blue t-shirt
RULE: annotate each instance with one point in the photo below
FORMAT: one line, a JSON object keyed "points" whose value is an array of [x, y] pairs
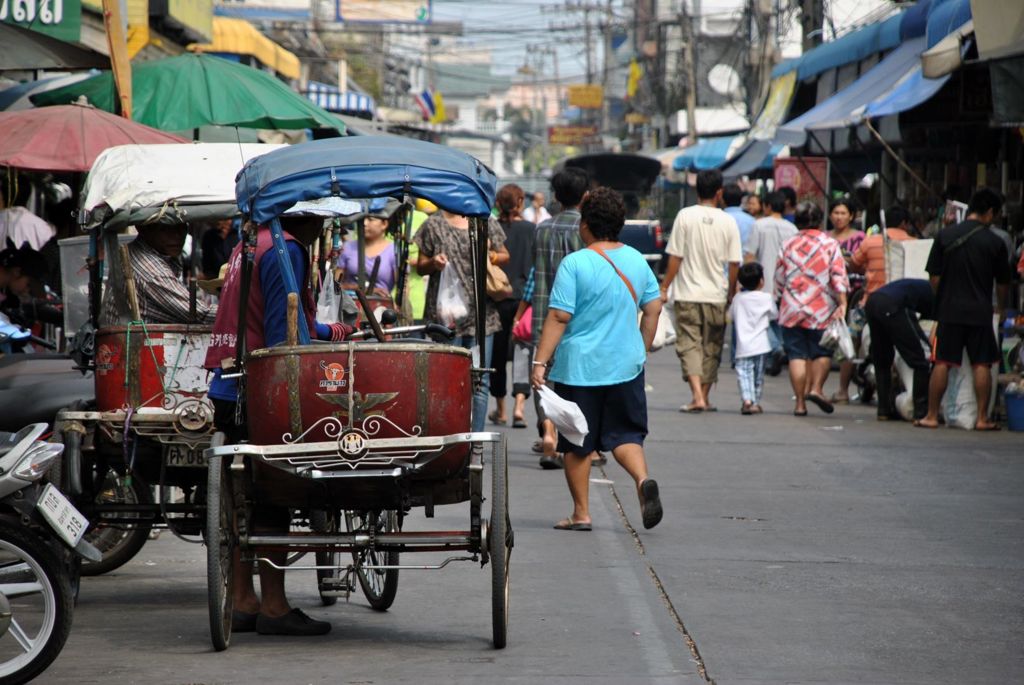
{"points": [[275, 313], [602, 344]]}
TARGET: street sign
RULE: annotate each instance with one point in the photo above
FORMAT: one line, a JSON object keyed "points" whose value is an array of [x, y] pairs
{"points": [[572, 135], [61, 19], [384, 11], [586, 96]]}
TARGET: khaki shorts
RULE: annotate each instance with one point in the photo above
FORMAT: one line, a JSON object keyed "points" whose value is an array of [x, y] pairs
{"points": [[700, 335]]}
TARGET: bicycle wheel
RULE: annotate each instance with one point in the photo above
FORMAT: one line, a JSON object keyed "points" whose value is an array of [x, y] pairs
{"points": [[379, 585]]}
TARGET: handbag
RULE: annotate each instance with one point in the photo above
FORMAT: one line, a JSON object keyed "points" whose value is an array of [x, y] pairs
{"points": [[523, 330], [498, 286]]}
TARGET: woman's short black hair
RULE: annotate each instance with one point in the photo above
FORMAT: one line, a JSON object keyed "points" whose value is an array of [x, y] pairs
{"points": [[604, 212], [750, 275], [808, 215], [847, 201]]}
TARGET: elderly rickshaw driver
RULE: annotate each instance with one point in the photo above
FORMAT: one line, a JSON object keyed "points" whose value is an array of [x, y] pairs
{"points": [[266, 326]]}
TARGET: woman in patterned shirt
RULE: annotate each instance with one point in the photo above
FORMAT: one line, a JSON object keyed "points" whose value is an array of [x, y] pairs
{"points": [[811, 287]]}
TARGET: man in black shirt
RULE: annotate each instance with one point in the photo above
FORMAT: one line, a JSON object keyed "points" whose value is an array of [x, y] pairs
{"points": [[892, 315], [965, 262]]}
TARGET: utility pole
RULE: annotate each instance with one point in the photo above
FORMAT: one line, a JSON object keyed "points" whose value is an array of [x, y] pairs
{"points": [[812, 22], [690, 69]]}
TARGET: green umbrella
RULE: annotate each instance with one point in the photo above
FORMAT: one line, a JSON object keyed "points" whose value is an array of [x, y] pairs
{"points": [[186, 92]]}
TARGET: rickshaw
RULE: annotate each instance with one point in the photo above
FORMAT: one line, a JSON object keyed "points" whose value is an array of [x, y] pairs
{"points": [[357, 434], [150, 419]]}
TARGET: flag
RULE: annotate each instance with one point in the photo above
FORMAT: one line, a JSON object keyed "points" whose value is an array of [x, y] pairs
{"points": [[633, 82], [440, 116], [425, 101]]}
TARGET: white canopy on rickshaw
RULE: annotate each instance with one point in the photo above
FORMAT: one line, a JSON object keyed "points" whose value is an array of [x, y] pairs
{"points": [[130, 184]]}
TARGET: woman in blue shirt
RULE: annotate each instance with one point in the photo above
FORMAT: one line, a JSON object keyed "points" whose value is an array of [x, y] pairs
{"points": [[600, 355]]}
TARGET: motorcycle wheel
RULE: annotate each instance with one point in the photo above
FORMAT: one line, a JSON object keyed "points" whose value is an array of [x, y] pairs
{"points": [[119, 544], [35, 604]]}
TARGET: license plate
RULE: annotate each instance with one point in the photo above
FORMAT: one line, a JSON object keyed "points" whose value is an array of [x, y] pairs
{"points": [[181, 456], [62, 515]]}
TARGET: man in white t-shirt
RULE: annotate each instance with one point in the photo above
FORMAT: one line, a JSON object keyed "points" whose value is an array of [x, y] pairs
{"points": [[704, 239]]}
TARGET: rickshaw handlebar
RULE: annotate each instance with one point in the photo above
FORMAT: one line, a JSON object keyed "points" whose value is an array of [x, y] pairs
{"points": [[431, 329]]}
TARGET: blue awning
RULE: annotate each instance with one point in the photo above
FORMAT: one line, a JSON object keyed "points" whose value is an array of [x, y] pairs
{"points": [[711, 153], [852, 47], [333, 100], [839, 111], [947, 16]]}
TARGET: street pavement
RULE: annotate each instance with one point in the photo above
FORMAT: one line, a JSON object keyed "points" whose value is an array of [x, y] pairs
{"points": [[826, 549]]}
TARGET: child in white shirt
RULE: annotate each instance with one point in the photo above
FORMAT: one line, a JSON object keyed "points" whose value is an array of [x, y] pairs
{"points": [[751, 312]]}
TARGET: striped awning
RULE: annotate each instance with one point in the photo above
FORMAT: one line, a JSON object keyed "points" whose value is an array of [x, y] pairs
{"points": [[333, 100]]}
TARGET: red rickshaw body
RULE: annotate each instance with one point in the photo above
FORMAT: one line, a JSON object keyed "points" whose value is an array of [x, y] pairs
{"points": [[156, 365], [318, 393]]}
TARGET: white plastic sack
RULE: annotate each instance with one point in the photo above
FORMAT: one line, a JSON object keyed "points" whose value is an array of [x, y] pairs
{"points": [[328, 303], [451, 306], [837, 335], [566, 415], [959, 404], [666, 332]]}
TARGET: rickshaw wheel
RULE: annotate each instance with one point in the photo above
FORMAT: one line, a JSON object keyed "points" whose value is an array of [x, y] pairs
{"points": [[499, 544], [379, 586], [325, 522], [118, 543], [220, 548]]}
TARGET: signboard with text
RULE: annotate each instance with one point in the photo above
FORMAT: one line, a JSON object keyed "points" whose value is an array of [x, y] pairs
{"points": [[61, 19], [384, 11], [807, 176], [586, 96], [572, 135]]}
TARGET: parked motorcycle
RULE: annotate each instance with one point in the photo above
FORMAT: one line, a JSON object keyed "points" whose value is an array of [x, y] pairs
{"points": [[40, 537]]}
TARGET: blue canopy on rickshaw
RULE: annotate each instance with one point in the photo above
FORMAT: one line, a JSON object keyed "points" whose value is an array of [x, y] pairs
{"points": [[364, 167]]}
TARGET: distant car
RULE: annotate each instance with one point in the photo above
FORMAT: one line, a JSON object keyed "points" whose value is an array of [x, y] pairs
{"points": [[633, 176]]}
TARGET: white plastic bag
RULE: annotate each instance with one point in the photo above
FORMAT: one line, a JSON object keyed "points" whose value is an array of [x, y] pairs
{"points": [[451, 305], [837, 335], [566, 415], [328, 303], [666, 332]]}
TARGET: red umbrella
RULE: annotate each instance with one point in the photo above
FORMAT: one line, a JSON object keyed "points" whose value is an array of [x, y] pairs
{"points": [[67, 137]]}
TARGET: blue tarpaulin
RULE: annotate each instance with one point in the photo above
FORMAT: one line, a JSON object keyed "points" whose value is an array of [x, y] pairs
{"points": [[907, 94], [364, 167]]}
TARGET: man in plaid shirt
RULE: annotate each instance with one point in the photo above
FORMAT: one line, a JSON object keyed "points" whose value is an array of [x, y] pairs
{"points": [[556, 238]]}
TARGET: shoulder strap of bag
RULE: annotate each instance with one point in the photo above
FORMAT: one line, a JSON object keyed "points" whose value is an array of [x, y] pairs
{"points": [[621, 275], [964, 238]]}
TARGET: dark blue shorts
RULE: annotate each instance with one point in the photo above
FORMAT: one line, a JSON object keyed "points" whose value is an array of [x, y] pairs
{"points": [[616, 414], [804, 343]]}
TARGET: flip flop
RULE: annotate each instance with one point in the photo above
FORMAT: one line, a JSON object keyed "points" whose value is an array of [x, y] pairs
{"points": [[711, 407], [690, 409], [569, 524], [757, 409], [537, 447], [518, 423], [918, 424], [820, 402], [989, 427], [493, 417], [650, 503], [799, 413], [747, 409]]}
